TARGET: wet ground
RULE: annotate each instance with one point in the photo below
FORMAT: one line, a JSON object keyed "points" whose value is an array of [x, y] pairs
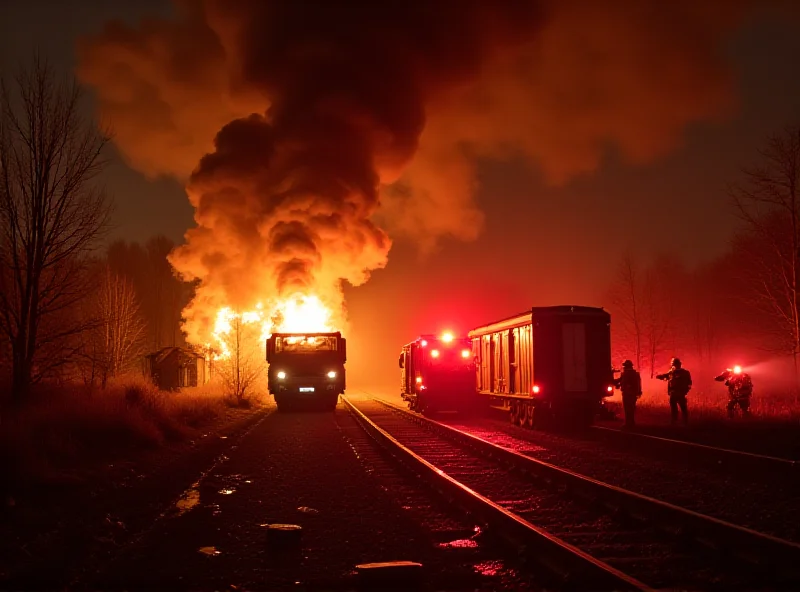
{"points": [[320, 472]]}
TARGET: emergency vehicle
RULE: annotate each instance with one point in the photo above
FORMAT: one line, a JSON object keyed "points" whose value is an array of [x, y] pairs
{"points": [[306, 369], [437, 374]]}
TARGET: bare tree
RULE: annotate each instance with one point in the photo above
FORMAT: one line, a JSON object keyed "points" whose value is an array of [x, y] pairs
{"points": [[162, 295], [658, 309], [117, 337], [767, 200], [703, 316], [244, 362], [50, 213], [627, 300]]}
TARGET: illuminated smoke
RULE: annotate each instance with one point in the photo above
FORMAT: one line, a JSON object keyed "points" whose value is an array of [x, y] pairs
{"points": [[302, 114]]}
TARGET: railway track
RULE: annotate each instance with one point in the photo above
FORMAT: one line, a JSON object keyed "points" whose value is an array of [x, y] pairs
{"points": [[593, 533], [698, 453], [736, 460], [762, 497]]}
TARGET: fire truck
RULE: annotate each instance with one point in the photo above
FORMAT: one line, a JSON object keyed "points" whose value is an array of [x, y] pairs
{"points": [[546, 365], [437, 374], [306, 369]]}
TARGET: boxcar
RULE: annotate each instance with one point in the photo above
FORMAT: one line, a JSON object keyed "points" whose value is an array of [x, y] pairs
{"points": [[546, 364]]}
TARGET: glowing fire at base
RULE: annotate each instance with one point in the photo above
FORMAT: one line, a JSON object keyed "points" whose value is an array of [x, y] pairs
{"points": [[296, 314]]}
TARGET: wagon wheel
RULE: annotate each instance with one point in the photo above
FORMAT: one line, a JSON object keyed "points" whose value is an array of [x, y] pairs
{"points": [[529, 416], [515, 413], [522, 412]]}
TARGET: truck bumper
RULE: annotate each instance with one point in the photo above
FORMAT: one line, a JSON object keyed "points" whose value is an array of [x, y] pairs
{"points": [[307, 389]]}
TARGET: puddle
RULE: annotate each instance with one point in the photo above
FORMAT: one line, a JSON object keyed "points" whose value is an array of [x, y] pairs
{"points": [[459, 544], [465, 543], [490, 568], [210, 551], [227, 491], [307, 510], [188, 501]]}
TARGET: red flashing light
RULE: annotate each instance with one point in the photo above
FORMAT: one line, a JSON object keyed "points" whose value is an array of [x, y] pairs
{"points": [[424, 343], [447, 337], [465, 353], [535, 389], [610, 389], [435, 353], [419, 379]]}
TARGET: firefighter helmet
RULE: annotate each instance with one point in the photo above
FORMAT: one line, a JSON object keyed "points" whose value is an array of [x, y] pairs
{"points": [[627, 364], [676, 362]]}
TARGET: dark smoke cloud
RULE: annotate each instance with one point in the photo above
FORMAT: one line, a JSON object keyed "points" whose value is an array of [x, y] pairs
{"points": [[317, 109]]}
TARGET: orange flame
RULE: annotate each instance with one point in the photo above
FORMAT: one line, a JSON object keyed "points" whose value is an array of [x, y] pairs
{"points": [[296, 314]]}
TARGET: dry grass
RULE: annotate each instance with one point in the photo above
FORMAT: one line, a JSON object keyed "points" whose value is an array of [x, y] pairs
{"points": [[73, 427], [772, 428], [712, 408], [710, 404]]}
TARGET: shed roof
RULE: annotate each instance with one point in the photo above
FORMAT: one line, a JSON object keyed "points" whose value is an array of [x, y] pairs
{"points": [[165, 352]]}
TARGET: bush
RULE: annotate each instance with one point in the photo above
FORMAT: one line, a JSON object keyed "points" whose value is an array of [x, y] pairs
{"points": [[69, 427]]}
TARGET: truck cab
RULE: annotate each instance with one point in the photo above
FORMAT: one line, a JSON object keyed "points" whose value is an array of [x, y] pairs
{"points": [[306, 369]]}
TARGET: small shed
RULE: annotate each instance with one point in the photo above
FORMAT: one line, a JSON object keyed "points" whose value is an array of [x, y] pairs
{"points": [[176, 367]]}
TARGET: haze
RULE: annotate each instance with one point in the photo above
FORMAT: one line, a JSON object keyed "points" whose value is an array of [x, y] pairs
{"points": [[540, 242]]}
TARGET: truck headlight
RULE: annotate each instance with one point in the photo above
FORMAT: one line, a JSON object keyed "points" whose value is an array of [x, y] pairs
{"points": [[281, 375], [332, 374]]}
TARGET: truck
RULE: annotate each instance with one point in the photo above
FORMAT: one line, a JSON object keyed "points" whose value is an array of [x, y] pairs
{"points": [[437, 374], [548, 365], [306, 369]]}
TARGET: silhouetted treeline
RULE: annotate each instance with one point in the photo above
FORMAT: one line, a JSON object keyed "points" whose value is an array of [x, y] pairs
{"points": [[129, 304], [743, 307], [662, 308]]}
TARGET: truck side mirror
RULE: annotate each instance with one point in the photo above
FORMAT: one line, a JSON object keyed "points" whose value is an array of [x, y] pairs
{"points": [[400, 361]]}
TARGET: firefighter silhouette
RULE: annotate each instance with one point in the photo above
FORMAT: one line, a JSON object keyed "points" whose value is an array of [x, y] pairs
{"points": [[630, 383], [679, 383], [740, 389]]}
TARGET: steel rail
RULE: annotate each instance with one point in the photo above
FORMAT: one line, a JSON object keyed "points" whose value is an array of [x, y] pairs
{"points": [[755, 547], [739, 458], [569, 562]]}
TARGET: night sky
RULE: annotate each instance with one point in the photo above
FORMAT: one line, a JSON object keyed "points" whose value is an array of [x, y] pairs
{"points": [[540, 244]]}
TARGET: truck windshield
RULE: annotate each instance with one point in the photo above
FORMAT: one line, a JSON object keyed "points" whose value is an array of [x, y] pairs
{"points": [[302, 344]]}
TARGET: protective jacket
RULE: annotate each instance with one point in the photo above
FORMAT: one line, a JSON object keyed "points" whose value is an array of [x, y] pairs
{"points": [[740, 386], [630, 383], [679, 382]]}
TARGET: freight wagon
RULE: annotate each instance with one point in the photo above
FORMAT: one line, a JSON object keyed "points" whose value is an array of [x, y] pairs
{"points": [[437, 374], [548, 364]]}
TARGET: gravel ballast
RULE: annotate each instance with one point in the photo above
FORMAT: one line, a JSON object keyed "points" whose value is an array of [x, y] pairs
{"points": [[767, 506], [320, 472]]}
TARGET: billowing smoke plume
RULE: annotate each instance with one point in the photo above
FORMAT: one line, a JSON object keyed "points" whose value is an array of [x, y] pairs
{"points": [[308, 111]]}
